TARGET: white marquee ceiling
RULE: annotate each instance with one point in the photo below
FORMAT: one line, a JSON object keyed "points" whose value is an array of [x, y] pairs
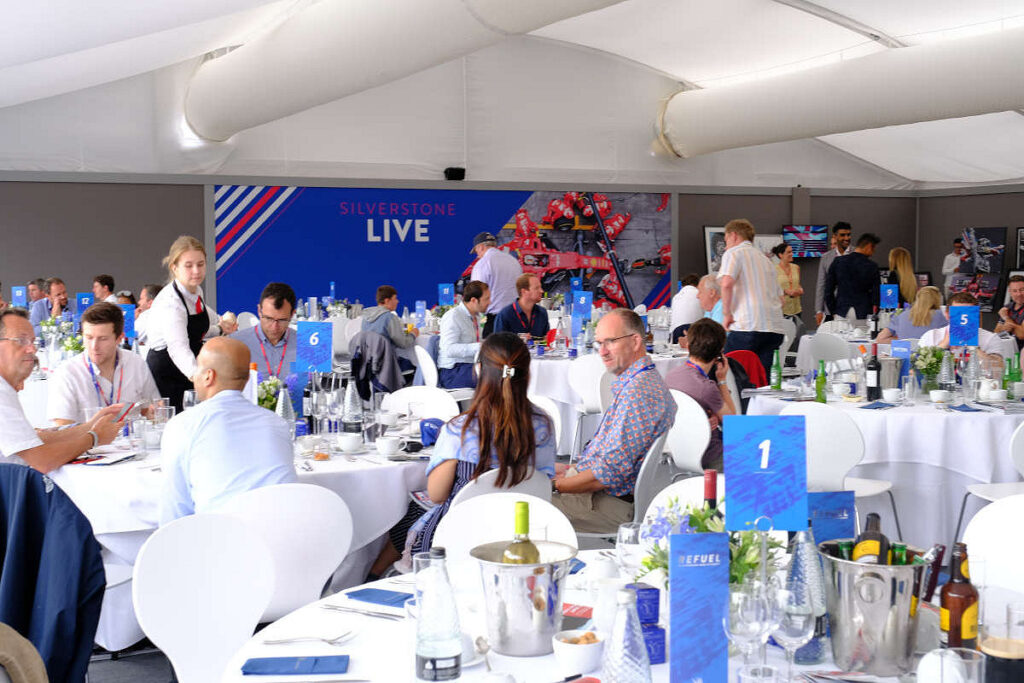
{"points": [[49, 48]]}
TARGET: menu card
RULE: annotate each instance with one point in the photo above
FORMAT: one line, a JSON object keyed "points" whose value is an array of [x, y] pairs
{"points": [[832, 514], [698, 576]]}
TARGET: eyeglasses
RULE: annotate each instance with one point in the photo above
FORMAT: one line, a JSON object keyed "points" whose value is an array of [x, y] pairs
{"points": [[20, 341], [598, 345], [276, 321]]}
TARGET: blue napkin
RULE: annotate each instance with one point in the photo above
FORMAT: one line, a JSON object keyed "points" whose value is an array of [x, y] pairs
{"points": [[576, 564], [964, 408], [429, 429], [379, 596], [878, 405], [277, 666]]}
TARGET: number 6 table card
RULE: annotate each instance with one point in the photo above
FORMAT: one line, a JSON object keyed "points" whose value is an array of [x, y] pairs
{"points": [[766, 467], [315, 346], [698, 582]]}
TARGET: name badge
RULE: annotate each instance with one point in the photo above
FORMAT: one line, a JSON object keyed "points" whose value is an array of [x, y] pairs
{"points": [[315, 346]]}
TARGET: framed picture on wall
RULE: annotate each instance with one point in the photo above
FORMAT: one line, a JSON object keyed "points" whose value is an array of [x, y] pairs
{"points": [[924, 277], [765, 243], [983, 287], [1020, 247], [985, 250], [1006, 295], [714, 246]]}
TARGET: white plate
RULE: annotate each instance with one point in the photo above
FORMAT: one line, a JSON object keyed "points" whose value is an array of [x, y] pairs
{"points": [[476, 661]]}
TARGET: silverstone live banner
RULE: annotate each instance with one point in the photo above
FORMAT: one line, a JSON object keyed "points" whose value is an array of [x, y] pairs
{"points": [[414, 239]]}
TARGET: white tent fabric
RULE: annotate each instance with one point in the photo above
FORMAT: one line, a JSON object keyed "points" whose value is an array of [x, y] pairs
{"points": [[101, 87]]}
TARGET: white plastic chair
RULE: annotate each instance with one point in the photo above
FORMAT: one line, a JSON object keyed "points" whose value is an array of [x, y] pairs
{"points": [[308, 530], [687, 491], [788, 334], [352, 327], [436, 402], [828, 347], [989, 537], [430, 375], [550, 409], [537, 485], [834, 447], [997, 491], [585, 377], [246, 320], [828, 327], [689, 435], [734, 391], [199, 587]]}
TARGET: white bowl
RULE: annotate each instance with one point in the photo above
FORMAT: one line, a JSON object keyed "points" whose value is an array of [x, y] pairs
{"points": [[938, 395], [577, 659]]}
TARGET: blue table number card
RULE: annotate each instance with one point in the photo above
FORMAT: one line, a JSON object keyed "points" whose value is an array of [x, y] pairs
{"points": [[832, 515], [698, 577], [582, 304], [421, 314], [83, 300], [575, 284], [315, 346], [901, 348], [766, 467], [890, 295], [446, 294], [129, 320], [963, 325], [19, 296]]}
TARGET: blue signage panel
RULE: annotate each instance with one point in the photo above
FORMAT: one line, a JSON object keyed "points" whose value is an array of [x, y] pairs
{"points": [[890, 296], [84, 300], [19, 296], [129, 320], [314, 346], [832, 514], [963, 325], [698, 576], [421, 314], [446, 294]]}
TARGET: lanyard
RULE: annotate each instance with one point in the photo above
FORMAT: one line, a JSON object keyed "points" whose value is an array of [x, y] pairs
{"points": [[615, 398], [527, 322], [96, 384], [267, 360], [697, 368]]}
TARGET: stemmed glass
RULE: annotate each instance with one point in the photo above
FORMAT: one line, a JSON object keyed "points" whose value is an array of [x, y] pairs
{"points": [[795, 626], [747, 620]]}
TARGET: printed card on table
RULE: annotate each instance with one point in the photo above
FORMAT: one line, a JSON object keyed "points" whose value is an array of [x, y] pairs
{"points": [[582, 304], [84, 300], [698, 577], [902, 348], [129, 320], [766, 467], [446, 294], [963, 325], [19, 296], [315, 346], [890, 296], [421, 314], [575, 284], [832, 515]]}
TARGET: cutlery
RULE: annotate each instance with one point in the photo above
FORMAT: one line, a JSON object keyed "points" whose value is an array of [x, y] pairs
{"points": [[369, 613], [298, 639]]}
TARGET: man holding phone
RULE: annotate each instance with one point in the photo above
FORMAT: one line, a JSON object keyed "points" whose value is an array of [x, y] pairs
{"points": [[102, 376]]}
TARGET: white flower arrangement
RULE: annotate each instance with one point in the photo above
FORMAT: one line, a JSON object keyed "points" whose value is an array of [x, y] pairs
{"points": [[267, 391]]}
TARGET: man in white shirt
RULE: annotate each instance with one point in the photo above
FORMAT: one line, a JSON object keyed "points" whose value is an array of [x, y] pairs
{"points": [[460, 338], [104, 375], [951, 263], [103, 289], [225, 445], [686, 308], [991, 345], [498, 270], [44, 450], [842, 233], [146, 297]]}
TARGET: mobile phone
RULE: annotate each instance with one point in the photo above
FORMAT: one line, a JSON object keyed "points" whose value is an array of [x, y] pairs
{"points": [[125, 413]]}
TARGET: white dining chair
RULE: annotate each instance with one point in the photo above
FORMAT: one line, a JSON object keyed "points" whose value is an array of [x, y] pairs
{"points": [[689, 491], [734, 391], [828, 327], [788, 335], [689, 435], [199, 587], [430, 375], [997, 491], [550, 408], [835, 446], [537, 485], [435, 402], [246, 320], [828, 347], [585, 378], [989, 536], [308, 530]]}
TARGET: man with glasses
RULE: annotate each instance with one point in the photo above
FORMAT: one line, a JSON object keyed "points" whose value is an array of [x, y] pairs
{"points": [[597, 492], [43, 449], [272, 343]]}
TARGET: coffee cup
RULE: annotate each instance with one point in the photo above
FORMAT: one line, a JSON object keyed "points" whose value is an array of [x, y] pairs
{"points": [[389, 445], [891, 395], [938, 395], [350, 442], [997, 394], [387, 418]]}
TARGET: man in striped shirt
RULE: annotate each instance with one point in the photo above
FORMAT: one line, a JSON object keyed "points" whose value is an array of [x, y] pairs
{"points": [[751, 298]]}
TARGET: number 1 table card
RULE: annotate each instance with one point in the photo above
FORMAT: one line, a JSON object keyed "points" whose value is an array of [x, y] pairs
{"points": [[766, 467], [315, 346], [698, 577], [963, 325]]}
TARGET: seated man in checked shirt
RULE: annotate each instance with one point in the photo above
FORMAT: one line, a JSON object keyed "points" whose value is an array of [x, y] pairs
{"points": [[597, 493]]}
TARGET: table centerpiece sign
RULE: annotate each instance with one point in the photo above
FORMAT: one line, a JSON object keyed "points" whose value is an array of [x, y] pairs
{"points": [[421, 314], [964, 322], [84, 300], [129, 320], [832, 515], [19, 296], [446, 294], [315, 347], [889, 296], [698, 592]]}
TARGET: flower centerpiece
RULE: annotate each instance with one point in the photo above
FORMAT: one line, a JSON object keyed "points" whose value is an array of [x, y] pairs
{"points": [[48, 326], [662, 522], [927, 361], [267, 391], [73, 344], [439, 310], [557, 301], [338, 309]]}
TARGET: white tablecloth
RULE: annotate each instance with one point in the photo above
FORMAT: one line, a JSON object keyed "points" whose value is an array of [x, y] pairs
{"points": [[930, 456]]}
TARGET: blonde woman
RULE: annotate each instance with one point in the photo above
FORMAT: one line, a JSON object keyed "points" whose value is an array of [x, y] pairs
{"points": [[179, 320], [924, 315], [901, 272]]}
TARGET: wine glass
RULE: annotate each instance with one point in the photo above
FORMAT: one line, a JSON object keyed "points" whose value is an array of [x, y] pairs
{"points": [[795, 627], [188, 399], [746, 620], [628, 551]]}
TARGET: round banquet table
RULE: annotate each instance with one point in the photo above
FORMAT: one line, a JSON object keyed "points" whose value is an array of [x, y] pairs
{"points": [[930, 456], [122, 504]]}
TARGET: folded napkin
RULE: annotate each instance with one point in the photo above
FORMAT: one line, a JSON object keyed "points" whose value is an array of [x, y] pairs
{"points": [[278, 666], [964, 408], [878, 405], [379, 596], [576, 565]]}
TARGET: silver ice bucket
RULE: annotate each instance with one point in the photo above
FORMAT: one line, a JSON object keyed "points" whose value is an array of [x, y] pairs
{"points": [[523, 601], [872, 612], [890, 376]]}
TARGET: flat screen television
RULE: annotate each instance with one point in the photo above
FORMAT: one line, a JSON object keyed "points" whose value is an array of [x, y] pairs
{"points": [[808, 241]]}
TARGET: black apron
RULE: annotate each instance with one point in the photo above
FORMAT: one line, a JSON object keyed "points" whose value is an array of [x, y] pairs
{"points": [[169, 379]]}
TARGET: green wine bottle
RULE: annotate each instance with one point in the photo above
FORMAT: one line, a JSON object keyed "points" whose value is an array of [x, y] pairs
{"points": [[521, 550], [776, 372]]}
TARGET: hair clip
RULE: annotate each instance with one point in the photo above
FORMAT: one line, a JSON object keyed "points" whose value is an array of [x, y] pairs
{"points": [[507, 371]]}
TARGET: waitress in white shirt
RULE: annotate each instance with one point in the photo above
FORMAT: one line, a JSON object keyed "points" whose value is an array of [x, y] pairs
{"points": [[179, 320]]}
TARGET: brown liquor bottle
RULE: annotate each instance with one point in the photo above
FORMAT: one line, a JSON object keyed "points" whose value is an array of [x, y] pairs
{"points": [[958, 606], [871, 546]]}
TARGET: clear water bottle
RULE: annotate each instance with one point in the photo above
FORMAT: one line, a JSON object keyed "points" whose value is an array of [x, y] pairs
{"points": [[438, 636], [285, 409], [352, 409], [581, 343], [805, 567], [947, 380], [972, 373], [625, 655]]}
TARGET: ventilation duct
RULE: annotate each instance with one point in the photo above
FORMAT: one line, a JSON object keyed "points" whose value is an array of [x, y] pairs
{"points": [[952, 79], [337, 48]]}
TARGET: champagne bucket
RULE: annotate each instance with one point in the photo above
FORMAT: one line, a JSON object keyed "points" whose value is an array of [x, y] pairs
{"points": [[890, 375], [523, 601], [872, 613]]}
